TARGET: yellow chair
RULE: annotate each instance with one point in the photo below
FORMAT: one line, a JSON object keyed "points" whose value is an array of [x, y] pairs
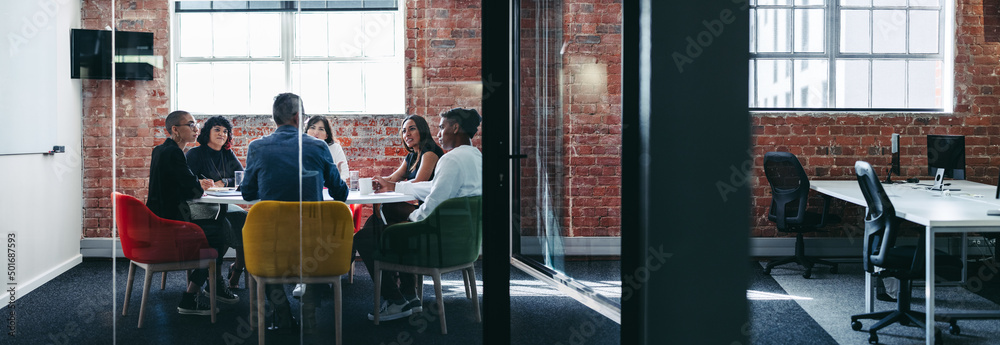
{"points": [[293, 242], [447, 240]]}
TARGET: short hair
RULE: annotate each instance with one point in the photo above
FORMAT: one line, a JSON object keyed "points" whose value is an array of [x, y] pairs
{"points": [[426, 143], [206, 131], [286, 106], [326, 127], [468, 119], [173, 119]]}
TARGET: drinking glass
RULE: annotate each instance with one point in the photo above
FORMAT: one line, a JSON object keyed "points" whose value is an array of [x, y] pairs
{"points": [[238, 179]]}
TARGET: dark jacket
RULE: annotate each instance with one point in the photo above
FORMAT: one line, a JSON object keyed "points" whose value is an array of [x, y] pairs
{"points": [[273, 171], [171, 183]]}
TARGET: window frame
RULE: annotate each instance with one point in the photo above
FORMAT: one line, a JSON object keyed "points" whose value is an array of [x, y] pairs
{"points": [[831, 54], [287, 45]]}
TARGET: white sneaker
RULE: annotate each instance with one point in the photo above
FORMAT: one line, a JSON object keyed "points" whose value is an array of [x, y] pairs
{"points": [[392, 311], [415, 305], [299, 290]]}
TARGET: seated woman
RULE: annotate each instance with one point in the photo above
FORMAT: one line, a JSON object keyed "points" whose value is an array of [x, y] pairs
{"points": [[419, 163], [171, 187], [460, 174], [319, 127], [214, 159]]}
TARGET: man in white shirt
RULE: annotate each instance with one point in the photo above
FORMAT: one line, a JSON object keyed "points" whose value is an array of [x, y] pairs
{"points": [[458, 173]]}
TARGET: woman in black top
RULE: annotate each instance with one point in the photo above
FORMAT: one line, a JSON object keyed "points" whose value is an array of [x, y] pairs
{"points": [[423, 151], [214, 159]]}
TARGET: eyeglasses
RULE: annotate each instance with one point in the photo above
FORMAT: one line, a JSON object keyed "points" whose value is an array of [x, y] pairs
{"points": [[192, 124]]}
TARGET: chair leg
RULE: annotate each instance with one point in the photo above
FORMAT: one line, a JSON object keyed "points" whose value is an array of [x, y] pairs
{"points": [[465, 278], [475, 297], [440, 301], [337, 309], [378, 288], [163, 280], [350, 274], [147, 279], [252, 295], [212, 276], [260, 312], [128, 287], [420, 286]]}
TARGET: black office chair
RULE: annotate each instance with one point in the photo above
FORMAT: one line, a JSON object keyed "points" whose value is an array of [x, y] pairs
{"points": [[905, 263], [789, 193]]}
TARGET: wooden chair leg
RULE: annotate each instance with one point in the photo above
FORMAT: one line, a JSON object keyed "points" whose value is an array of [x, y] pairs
{"points": [[163, 280], [350, 274], [146, 281], [378, 288], [252, 295], [128, 287], [420, 287], [338, 309], [440, 301], [260, 312], [211, 287], [475, 297], [465, 278]]}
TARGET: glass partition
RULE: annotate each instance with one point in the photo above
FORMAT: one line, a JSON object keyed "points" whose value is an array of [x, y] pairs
{"points": [[360, 69], [567, 192]]}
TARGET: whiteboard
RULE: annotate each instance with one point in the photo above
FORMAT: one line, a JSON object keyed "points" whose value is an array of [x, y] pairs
{"points": [[28, 65]]}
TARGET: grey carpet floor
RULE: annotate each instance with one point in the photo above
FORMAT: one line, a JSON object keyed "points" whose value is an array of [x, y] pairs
{"points": [[831, 299]]}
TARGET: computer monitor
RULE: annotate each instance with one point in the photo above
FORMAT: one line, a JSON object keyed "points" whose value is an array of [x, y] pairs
{"points": [[894, 169], [946, 152]]}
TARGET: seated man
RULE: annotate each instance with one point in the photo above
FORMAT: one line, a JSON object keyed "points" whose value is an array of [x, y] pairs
{"points": [[171, 185], [273, 173], [459, 173]]}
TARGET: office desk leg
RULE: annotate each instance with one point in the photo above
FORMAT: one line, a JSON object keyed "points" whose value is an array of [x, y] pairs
{"points": [[869, 296], [929, 284]]}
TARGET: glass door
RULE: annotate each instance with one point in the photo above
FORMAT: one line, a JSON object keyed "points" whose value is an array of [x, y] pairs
{"points": [[566, 192]]}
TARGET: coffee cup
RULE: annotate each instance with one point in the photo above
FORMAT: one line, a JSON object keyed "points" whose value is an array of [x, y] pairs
{"points": [[365, 185]]}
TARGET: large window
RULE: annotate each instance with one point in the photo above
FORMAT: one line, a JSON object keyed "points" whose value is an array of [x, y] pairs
{"points": [[343, 57], [850, 55]]}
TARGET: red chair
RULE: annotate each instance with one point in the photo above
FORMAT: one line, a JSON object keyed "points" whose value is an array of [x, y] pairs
{"points": [[356, 214], [160, 245]]}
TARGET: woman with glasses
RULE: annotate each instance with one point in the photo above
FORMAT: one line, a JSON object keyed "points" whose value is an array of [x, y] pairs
{"points": [[214, 159]]}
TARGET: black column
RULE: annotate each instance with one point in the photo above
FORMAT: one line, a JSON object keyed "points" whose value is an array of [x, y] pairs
{"points": [[685, 166], [496, 73]]}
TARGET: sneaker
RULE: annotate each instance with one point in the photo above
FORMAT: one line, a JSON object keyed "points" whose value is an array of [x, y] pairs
{"points": [[415, 305], [300, 289], [222, 294], [194, 306], [392, 311]]}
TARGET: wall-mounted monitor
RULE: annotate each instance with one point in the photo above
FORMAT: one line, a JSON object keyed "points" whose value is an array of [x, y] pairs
{"points": [[946, 152], [91, 55]]}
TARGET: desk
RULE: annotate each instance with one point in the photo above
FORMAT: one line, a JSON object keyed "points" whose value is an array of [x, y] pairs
{"points": [[962, 212], [354, 197]]}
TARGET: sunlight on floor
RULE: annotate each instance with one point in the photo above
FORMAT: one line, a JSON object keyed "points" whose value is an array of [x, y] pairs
{"points": [[754, 295], [610, 289]]}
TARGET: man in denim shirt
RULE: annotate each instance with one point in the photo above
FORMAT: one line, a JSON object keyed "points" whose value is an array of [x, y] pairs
{"points": [[272, 173]]}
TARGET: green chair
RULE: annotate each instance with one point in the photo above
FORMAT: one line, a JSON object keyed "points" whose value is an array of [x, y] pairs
{"points": [[447, 240]]}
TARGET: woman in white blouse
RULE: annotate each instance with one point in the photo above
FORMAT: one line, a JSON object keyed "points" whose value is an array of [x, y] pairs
{"points": [[319, 128]]}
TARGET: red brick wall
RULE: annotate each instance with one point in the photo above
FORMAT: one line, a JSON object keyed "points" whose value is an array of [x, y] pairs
{"points": [[443, 71], [829, 144], [443, 43], [570, 113], [592, 116]]}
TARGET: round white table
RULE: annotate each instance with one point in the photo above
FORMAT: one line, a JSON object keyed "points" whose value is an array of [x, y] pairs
{"points": [[354, 197]]}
